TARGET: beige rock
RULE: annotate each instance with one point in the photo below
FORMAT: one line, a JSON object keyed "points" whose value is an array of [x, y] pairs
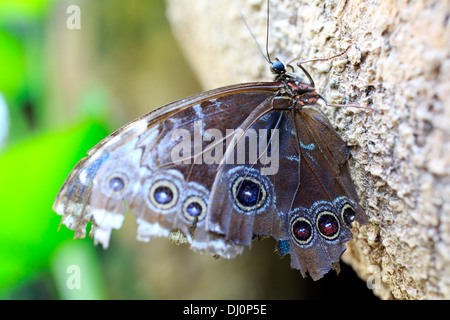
{"points": [[398, 63]]}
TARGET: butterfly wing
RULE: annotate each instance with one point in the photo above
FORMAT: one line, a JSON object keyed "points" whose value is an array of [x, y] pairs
{"points": [[326, 200], [134, 168], [165, 168], [307, 205]]}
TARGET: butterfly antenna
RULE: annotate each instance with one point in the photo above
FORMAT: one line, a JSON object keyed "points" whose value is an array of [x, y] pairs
{"points": [[267, 31], [254, 38]]}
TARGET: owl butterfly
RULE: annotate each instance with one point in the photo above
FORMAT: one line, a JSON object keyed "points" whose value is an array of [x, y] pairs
{"points": [[220, 169]]}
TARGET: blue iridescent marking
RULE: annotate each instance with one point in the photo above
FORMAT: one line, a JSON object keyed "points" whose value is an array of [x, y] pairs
{"points": [[91, 171], [283, 247], [309, 147], [312, 159], [93, 168]]}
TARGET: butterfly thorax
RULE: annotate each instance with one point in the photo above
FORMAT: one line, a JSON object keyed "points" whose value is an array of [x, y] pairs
{"points": [[298, 91], [303, 94], [295, 88]]}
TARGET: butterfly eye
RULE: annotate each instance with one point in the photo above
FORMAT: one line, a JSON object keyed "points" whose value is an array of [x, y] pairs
{"points": [[301, 230], [278, 67], [249, 193], [328, 225], [163, 194], [348, 215], [194, 209]]}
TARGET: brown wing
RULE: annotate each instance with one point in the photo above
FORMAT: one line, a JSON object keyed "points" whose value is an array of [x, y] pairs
{"points": [[308, 205], [133, 168]]}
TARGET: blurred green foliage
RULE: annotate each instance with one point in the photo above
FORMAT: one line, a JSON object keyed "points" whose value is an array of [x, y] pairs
{"points": [[23, 76], [31, 175], [28, 171], [65, 90]]}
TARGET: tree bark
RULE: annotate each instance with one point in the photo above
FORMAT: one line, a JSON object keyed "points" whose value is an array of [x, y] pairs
{"points": [[399, 64]]}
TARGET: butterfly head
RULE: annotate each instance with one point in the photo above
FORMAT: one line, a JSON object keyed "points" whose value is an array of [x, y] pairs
{"points": [[278, 68]]}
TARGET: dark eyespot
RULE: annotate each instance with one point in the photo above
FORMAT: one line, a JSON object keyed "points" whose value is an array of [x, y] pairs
{"points": [[116, 184], [348, 215], [302, 231], [249, 193], [163, 194], [328, 225], [194, 208]]}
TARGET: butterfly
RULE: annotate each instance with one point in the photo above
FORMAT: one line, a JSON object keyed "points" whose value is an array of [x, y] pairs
{"points": [[222, 168]]}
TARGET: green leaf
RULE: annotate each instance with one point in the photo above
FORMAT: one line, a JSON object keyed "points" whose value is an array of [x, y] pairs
{"points": [[11, 64], [24, 9], [31, 174]]}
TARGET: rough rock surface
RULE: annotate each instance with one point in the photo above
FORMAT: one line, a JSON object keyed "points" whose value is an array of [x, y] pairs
{"points": [[399, 64]]}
